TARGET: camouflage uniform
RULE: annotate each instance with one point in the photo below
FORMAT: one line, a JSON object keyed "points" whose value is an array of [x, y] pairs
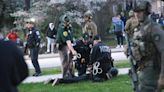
{"points": [[63, 35], [90, 26], [131, 24], [148, 51]]}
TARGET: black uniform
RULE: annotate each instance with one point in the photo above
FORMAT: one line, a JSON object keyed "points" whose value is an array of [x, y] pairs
{"points": [[33, 42], [13, 68], [84, 50], [101, 59]]}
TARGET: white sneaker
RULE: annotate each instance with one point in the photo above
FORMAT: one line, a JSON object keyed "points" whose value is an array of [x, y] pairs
{"points": [[118, 46], [122, 46]]}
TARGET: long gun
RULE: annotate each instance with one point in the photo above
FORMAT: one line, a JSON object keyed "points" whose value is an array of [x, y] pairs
{"points": [[133, 70]]}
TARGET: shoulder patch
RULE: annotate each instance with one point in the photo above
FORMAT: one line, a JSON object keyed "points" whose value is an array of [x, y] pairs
{"points": [[156, 37], [65, 33]]}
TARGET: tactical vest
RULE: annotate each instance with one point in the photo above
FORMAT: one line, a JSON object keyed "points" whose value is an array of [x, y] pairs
{"points": [[142, 46]]}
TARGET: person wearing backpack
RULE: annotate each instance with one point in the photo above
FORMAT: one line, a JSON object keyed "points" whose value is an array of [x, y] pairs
{"points": [[118, 30]]}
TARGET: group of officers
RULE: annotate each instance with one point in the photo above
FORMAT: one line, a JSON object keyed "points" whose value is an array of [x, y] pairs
{"points": [[88, 52], [146, 43]]}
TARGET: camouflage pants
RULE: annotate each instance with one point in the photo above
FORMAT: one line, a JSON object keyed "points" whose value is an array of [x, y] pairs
{"points": [[148, 79], [67, 64]]}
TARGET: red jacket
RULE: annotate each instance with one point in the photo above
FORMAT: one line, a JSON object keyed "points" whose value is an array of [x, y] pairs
{"points": [[12, 36]]}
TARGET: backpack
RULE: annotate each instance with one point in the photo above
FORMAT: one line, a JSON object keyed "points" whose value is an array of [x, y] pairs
{"points": [[118, 26]]}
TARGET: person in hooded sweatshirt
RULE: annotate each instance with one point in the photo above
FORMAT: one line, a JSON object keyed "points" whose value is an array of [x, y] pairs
{"points": [[51, 36]]}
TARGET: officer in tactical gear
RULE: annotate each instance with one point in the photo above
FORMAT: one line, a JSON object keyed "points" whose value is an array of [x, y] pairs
{"points": [[148, 50], [83, 47], [90, 26], [64, 44], [33, 42], [131, 24]]}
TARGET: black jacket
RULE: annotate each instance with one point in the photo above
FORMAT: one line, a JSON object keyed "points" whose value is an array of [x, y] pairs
{"points": [[51, 33], [33, 39], [13, 69], [83, 49], [101, 53]]}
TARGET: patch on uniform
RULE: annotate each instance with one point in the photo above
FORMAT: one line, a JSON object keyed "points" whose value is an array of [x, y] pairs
{"points": [[65, 33], [156, 37]]}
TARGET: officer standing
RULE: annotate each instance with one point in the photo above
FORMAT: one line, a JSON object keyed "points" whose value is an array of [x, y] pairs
{"points": [[13, 69], [64, 44], [131, 24], [90, 26], [33, 42], [83, 47], [148, 50]]}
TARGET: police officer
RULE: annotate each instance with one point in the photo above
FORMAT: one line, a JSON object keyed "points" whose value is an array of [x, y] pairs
{"points": [[66, 50], [101, 60], [33, 42], [90, 26], [148, 50], [83, 47], [13, 69]]}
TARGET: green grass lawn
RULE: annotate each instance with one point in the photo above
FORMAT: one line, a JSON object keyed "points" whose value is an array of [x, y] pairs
{"points": [[119, 84], [47, 71], [122, 64]]}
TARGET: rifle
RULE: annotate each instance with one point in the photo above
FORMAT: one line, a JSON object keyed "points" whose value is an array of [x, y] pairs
{"points": [[133, 70]]}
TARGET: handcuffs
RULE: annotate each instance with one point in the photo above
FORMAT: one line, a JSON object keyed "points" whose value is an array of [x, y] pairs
{"points": [[96, 69]]}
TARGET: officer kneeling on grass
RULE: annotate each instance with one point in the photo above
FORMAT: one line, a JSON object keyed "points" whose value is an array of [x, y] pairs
{"points": [[101, 63], [83, 47]]}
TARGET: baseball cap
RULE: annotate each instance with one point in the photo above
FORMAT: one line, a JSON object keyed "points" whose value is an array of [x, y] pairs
{"points": [[85, 36]]}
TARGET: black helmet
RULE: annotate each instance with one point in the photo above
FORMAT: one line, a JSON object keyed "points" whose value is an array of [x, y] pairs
{"points": [[142, 6]]}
